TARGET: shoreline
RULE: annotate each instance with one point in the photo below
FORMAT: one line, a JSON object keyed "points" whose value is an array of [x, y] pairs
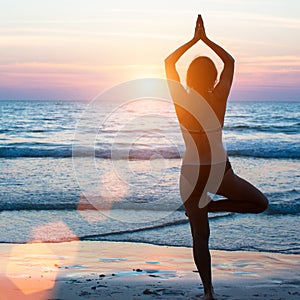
{"points": [[124, 270]]}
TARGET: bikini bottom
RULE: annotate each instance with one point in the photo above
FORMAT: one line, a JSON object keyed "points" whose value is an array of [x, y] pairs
{"points": [[191, 193], [227, 167]]}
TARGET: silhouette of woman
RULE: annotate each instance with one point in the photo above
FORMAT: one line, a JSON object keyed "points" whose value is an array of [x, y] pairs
{"points": [[205, 168]]}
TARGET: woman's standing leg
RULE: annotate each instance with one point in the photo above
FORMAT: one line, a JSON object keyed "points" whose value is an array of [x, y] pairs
{"points": [[198, 218]]}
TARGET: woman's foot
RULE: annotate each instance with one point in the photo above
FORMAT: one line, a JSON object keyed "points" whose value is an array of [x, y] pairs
{"points": [[210, 295]]}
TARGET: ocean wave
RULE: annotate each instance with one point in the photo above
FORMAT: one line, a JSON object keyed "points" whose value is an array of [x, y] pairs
{"points": [[291, 207], [151, 227], [163, 225], [287, 129], [143, 152], [272, 152], [34, 152], [284, 208], [97, 203], [37, 206]]}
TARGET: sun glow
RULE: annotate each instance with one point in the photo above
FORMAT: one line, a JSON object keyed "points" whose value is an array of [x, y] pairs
{"points": [[63, 54], [146, 71]]}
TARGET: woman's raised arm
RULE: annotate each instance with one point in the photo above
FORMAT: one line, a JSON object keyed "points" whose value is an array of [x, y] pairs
{"points": [[226, 77], [171, 60]]}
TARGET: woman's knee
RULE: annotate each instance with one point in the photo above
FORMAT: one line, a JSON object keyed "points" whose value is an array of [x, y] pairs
{"points": [[249, 193], [263, 203]]}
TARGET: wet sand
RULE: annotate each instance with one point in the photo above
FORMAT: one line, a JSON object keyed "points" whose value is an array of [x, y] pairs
{"points": [[116, 270]]}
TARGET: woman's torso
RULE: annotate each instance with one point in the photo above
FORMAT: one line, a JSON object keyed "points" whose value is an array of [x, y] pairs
{"points": [[201, 121]]}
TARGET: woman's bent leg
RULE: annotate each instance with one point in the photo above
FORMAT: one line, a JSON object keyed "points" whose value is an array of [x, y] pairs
{"points": [[242, 196]]}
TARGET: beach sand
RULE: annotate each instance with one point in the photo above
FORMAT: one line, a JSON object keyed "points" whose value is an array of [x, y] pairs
{"points": [[115, 270]]}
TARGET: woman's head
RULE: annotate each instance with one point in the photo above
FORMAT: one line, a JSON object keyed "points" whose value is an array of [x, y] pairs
{"points": [[202, 74]]}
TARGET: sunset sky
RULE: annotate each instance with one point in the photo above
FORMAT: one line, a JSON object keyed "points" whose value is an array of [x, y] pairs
{"points": [[71, 49]]}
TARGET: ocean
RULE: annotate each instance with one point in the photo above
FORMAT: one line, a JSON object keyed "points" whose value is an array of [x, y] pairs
{"points": [[114, 177]]}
